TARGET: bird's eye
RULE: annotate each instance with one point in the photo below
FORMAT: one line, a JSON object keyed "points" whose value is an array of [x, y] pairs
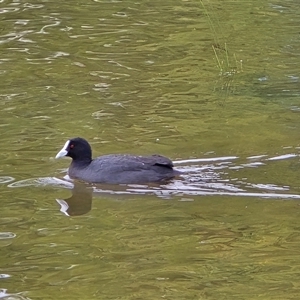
{"points": [[71, 146]]}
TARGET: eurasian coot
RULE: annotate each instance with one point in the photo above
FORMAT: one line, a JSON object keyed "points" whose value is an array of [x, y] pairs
{"points": [[115, 168]]}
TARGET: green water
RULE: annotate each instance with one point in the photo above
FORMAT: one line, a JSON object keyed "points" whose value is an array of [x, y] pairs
{"points": [[209, 84]]}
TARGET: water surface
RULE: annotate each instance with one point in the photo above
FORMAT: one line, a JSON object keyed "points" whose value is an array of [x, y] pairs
{"points": [[213, 85]]}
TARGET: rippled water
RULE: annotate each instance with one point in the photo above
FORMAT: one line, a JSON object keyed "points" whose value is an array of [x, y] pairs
{"points": [[214, 85]]}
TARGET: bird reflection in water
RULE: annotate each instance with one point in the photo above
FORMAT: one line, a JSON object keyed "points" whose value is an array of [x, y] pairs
{"points": [[79, 203]]}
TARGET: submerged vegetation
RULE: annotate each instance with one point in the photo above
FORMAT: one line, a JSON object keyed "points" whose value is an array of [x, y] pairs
{"points": [[227, 65], [227, 62]]}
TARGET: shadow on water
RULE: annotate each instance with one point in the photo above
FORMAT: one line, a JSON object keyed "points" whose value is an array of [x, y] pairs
{"points": [[201, 177]]}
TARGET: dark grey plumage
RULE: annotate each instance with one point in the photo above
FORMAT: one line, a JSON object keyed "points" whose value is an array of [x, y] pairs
{"points": [[115, 168]]}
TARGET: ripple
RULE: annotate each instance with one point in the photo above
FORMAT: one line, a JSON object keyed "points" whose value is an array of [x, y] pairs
{"points": [[120, 14], [32, 6], [43, 181], [253, 164], [46, 232], [186, 161], [7, 235], [7, 296], [206, 179], [180, 189], [257, 156], [169, 193], [8, 220], [285, 156], [8, 9], [100, 115], [13, 36], [6, 179], [270, 187]]}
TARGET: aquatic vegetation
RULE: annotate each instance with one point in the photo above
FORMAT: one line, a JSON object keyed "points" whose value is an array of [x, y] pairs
{"points": [[227, 62]]}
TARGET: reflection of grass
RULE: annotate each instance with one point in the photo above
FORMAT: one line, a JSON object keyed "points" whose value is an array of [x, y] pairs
{"points": [[228, 64]]}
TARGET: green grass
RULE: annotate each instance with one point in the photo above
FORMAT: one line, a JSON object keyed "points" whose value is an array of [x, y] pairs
{"points": [[227, 62]]}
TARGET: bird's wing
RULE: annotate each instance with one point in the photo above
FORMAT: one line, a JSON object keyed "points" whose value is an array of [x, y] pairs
{"points": [[119, 162]]}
